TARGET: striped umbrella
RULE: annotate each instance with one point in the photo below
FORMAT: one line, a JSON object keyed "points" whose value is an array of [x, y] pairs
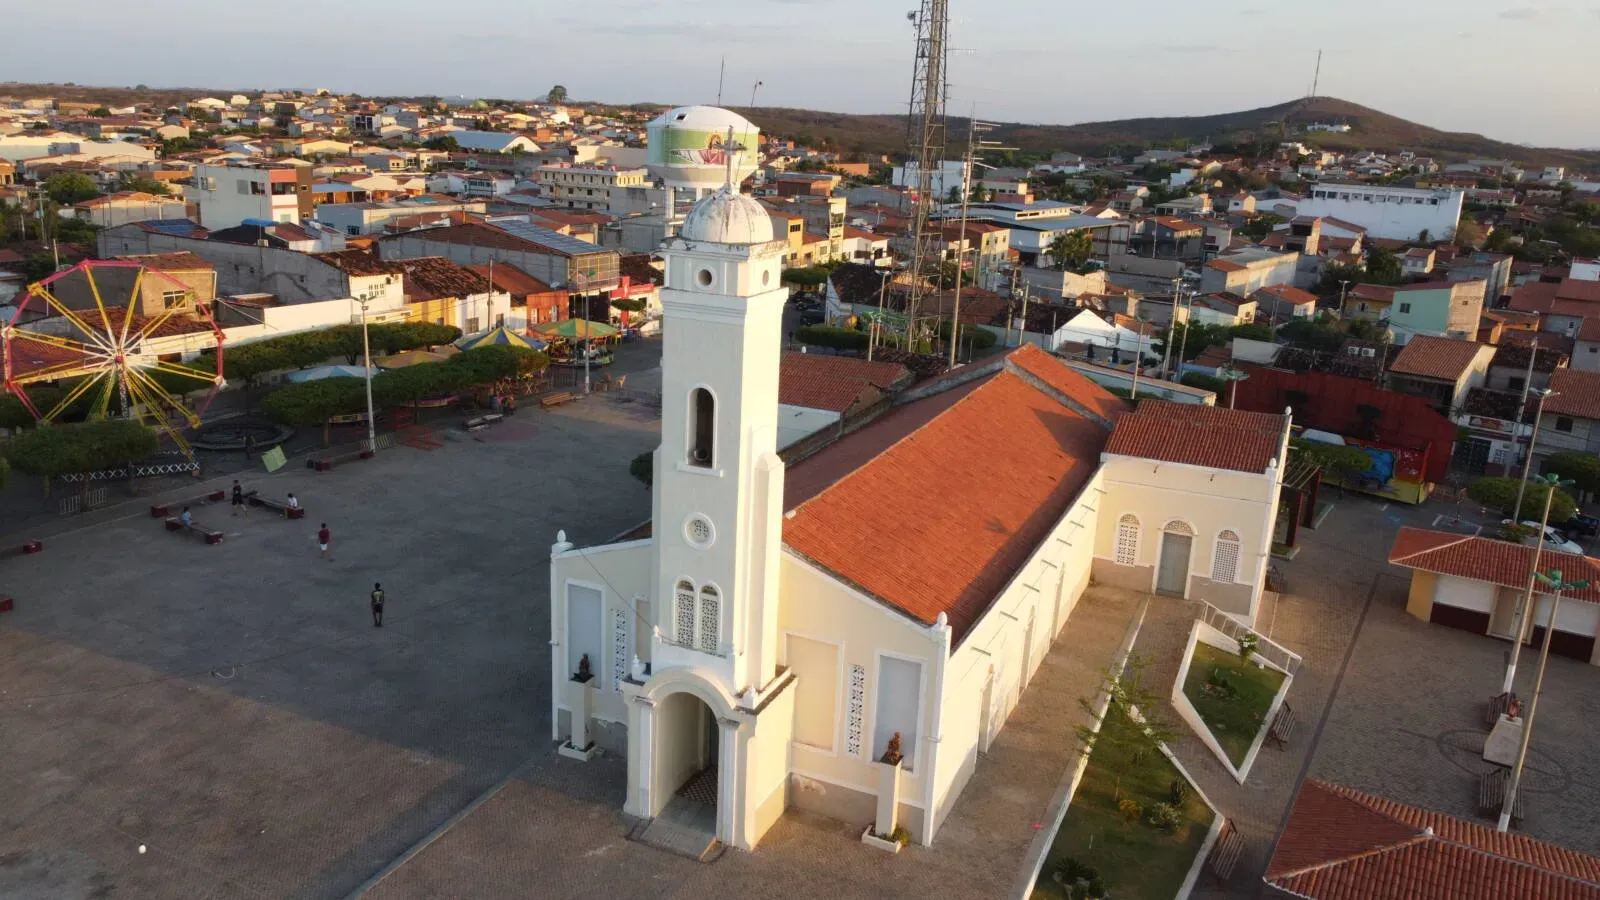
{"points": [[501, 335]]}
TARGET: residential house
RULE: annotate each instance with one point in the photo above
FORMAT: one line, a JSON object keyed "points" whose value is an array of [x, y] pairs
{"points": [[860, 245], [189, 283], [1476, 583], [1586, 349], [1439, 370], [225, 196], [1571, 414], [1437, 308], [822, 396], [1340, 843], [586, 271], [1494, 269], [619, 191], [1562, 305], [1281, 303], [122, 207], [437, 290], [540, 303], [1118, 337], [807, 184], [372, 217], [1224, 309], [1168, 237], [1387, 211], [308, 237], [1245, 271], [475, 183], [1417, 262], [1510, 369], [494, 142], [1369, 301]]}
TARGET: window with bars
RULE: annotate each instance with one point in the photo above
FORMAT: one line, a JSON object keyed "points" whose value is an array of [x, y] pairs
{"points": [[1225, 562], [683, 613], [710, 620], [1128, 540]]}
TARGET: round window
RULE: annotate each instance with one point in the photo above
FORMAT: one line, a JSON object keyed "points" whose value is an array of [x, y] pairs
{"points": [[699, 532], [704, 277], [766, 277]]}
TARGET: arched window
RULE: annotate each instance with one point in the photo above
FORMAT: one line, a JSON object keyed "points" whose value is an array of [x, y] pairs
{"points": [[1178, 526], [1225, 562], [1128, 540], [710, 620], [683, 612], [702, 427]]}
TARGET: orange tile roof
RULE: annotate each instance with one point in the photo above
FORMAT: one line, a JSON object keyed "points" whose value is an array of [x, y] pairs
{"points": [[172, 262], [1200, 436], [1289, 294], [1579, 289], [1576, 394], [1342, 844], [1426, 356], [836, 383], [513, 280], [1486, 559], [933, 507], [1225, 265]]}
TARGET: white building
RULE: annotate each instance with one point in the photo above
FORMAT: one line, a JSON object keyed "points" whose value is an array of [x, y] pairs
{"points": [[1386, 211], [782, 627], [229, 195], [952, 173], [602, 188]]}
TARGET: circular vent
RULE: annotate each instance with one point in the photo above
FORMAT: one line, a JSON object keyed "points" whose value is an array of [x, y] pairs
{"points": [[699, 532]]}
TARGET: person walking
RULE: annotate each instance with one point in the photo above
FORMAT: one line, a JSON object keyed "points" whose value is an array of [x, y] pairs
{"points": [[238, 497], [322, 541], [249, 446], [377, 605]]}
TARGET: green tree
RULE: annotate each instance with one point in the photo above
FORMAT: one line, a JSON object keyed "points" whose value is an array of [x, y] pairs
{"points": [[1319, 336], [629, 304], [1255, 331], [147, 185], [1126, 748], [1262, 225], [832, 337], [972, 337], [809, 277], [643, 467], [100, 112], [1383, 267], [1501, 494], [557, 94], [1070, 250], [64, 449], [1582, 468], [1335, 275], [67, 188], [1468, 232], [314, 402], [1340, 463], [1204, 382]]}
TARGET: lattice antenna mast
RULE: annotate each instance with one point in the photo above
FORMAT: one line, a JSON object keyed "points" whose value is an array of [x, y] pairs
{"points": [[925, 147]]}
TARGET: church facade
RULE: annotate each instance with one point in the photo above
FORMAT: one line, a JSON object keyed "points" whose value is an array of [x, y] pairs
{"points": [[850, 633]]}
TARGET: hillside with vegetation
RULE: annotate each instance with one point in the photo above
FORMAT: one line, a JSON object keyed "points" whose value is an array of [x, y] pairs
{"points": [[1370, 129]]}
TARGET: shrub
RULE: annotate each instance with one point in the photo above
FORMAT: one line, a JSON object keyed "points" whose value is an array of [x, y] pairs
{"points": [[1217, 685], [900, 835], [1164, 816], [1501, 494], [1130, 810], [1248, 642], [81, 447], [1177, 792], [1204, 382], [832, 337]]}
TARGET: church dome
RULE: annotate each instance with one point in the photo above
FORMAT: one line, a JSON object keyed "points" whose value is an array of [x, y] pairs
{"points": [[727, 217]]}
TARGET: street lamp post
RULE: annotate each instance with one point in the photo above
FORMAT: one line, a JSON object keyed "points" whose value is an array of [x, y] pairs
{"points": [[1533, 439], [1525, 609], [1556, 584], [366, 359], [1343, 286], [1233, 377]]}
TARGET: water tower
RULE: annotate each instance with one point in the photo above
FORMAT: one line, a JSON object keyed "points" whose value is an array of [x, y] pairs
{"points": [[695, 150]]}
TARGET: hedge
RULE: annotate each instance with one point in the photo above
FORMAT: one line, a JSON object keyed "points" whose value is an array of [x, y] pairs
{"points": [[832, 337], [80, 447]]}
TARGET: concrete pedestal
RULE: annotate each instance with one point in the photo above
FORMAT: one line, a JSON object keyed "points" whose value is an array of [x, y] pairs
{"points": [[1503, 742], [880, 835], [580, 700]]}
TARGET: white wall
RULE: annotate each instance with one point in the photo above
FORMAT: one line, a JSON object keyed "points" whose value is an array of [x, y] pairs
{"points": [[1464, 593], [1390, 213], [796, 422], [1575, 616]]}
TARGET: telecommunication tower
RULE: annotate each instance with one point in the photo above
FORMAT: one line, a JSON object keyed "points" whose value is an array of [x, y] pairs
{"points": [[925, 146]]}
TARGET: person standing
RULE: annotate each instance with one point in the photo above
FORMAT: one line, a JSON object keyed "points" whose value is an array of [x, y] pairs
{"points": [[238, 497], [249, 446], [323, 537], [377, 605]]}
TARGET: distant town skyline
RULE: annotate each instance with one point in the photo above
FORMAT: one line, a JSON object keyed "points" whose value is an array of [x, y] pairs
{"points": [[1521, 74]]}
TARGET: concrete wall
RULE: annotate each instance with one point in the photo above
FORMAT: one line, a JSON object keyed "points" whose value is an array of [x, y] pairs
{"points": [[798, 422], [621, 572], [241, 268], [1439, 212]]}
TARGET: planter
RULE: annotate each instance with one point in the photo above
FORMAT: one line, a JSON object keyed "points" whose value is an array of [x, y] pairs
{"points": [[871, 840]]}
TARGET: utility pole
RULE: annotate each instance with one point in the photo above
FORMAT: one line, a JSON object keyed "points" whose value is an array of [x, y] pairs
{"points": [[1172, 325], [925, 145], [974, 146], [721, 71], [1525, 608], [366, 359], [1556, 584], [1343, 285], [1527, 462], [877, 324]]}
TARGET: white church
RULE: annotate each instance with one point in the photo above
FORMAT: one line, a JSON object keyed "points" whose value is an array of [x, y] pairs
{"points": [[782, 628]]}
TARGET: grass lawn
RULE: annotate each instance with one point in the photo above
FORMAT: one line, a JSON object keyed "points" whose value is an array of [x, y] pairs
{"points": [[1234, 720], [1135, 860]]}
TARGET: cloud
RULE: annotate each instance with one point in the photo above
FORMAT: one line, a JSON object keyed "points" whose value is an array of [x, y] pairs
{"points": [[1190, 48], [1534, 14]]}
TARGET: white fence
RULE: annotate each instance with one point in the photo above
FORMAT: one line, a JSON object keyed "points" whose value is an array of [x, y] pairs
{"points": [[1278, 655]]}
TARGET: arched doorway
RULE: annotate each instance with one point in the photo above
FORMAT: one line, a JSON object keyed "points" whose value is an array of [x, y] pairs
{"points": [[686, 756], [1172, 575]]}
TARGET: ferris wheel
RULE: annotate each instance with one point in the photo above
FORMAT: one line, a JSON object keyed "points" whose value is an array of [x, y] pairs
{"points": [[121, 353]]}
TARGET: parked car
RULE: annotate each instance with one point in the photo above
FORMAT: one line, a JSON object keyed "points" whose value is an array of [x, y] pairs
{"points": [[1581, 525], [1554, 539], [812, 316]]}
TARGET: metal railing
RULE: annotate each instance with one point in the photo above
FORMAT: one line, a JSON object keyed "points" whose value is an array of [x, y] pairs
{"points": [[1266, 648]]}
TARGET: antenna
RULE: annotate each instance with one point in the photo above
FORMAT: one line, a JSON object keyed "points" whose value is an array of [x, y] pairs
{"points": [[721, 71], [925, 145], [1316, 75]]}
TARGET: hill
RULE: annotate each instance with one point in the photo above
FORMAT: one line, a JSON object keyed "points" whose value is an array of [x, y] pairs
{"points": [[1370, 130]]}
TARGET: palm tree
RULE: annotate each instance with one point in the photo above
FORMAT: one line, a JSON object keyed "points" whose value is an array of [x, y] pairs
{"points": [[1071, 249]]}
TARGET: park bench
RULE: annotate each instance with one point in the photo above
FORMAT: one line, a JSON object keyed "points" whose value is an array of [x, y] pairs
{"points": [[1492, 787], [1282, 729], [194, 529], [549, 400], [23, 549], [1499, 704], [478, 423], [162, 510], [1225, 855], [7, 604], [327, 462], [282, 506]]}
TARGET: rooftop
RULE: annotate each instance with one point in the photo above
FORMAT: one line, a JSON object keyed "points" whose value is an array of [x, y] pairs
{"points": [[1199, 435], [1479, 558], [1342, 844], [839, 384], [1576, 394], [1445, 359], [171, 262]]}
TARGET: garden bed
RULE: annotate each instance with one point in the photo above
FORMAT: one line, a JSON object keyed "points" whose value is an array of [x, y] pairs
{"points": [[1129, 856], [1233, 698]]}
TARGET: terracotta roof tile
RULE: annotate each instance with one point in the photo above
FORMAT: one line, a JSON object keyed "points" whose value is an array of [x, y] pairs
{"points": [[1576, 394], [1225, 265], [1289, 294], [1426, 356], [512, 280], [172, 262], [1579, 289], [933, 507], [1200, 436], [836, 383], [1342, 844], [1486, 559], [1589, 329]]}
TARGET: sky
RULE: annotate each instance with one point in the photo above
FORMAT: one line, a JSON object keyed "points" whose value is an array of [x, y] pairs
{"points": [[1525, 74]]}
